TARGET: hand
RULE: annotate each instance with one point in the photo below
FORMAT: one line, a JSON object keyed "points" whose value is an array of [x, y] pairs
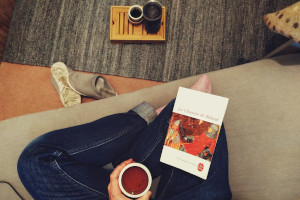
{"points": [[113, 188]]}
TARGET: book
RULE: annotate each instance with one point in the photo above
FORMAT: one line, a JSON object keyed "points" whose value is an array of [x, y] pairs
{"points": [[193, 131]]}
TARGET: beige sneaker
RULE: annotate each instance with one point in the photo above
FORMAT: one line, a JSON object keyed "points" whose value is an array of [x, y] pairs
{"points": [[68, 96]]}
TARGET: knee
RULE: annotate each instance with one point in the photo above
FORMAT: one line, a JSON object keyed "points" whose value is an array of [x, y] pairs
{"points": [[34, 164], [32, 160], [27, 161], [26, 165], [37, 155]]}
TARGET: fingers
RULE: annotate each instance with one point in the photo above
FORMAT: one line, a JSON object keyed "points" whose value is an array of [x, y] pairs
{"points": [[113, 188], [146, 196]]}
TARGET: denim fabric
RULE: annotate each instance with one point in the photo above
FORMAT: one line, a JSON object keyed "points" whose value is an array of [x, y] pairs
{"points": [[68, 163]]}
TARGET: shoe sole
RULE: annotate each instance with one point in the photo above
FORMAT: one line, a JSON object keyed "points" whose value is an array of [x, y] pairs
{"points": [[67, 96]]}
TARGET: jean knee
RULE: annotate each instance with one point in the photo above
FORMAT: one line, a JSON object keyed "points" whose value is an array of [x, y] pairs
{"points": [[32, 160], [25, 159]]}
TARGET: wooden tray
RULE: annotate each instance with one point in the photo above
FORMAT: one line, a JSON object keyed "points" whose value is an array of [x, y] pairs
{"points": [[121, 30]]}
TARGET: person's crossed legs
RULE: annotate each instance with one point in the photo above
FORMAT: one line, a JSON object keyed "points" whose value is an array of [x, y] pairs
{"points": [[68, 163]]}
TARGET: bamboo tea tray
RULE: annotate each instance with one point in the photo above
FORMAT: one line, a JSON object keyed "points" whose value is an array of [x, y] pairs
{"points": [[121, 30]]}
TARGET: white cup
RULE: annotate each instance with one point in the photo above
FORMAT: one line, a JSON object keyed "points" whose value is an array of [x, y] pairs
{"points": [[135, 14], [130, 166]]}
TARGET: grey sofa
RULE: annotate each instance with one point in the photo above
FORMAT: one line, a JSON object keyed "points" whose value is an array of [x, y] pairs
{"points": [[261, 121]]}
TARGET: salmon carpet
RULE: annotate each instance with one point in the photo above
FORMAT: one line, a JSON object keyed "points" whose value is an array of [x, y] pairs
{"points": [[27, 89]]}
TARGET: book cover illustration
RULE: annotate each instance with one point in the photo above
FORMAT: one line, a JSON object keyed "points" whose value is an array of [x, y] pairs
{"points": [[193, 136], [193, 131]]}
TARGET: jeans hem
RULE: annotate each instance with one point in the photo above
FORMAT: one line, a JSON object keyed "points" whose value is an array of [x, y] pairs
{"points": [[145, 111]]}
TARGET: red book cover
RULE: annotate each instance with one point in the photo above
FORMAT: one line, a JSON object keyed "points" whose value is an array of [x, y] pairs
{"points": [[193, 136]]}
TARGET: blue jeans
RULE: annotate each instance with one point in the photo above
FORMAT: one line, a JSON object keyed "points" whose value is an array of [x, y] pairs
{"points": [[69, 163]]}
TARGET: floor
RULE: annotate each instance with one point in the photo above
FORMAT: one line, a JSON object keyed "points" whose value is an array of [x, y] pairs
{"points": [[27, 89]]}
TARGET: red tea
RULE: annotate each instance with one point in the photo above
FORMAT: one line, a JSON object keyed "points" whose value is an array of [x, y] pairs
{"points": [[135, 180]]}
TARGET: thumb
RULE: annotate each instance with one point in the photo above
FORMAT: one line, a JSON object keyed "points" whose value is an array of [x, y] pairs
{"points": [[146, 196]]}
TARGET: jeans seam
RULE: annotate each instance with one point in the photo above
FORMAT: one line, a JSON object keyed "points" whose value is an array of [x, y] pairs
{"points": [[162, 193], [79, 183], [116, 136]]}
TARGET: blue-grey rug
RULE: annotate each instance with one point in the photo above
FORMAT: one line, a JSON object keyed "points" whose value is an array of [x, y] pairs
{"points": [[201, 36]]}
